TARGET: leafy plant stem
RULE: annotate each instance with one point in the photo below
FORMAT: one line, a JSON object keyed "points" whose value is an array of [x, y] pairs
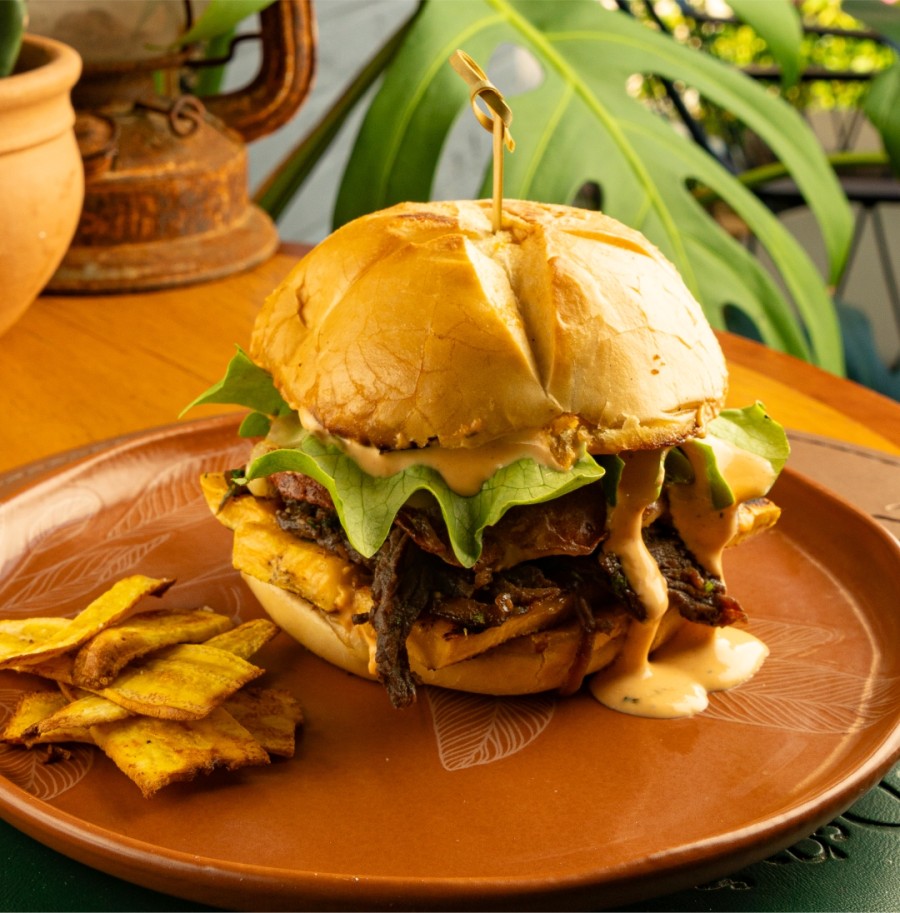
{"points": [[840, 161], [277, 191], [12, 27], [209, 79]]}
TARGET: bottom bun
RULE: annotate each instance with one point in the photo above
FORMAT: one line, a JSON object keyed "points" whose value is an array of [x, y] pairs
{"points": [[311, 627], [547, 660]]}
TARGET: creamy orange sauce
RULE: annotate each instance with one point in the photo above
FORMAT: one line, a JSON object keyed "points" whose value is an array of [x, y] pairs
{"points": [[639, 487], [717, 658], [464, 469], [747, 474], [635, 685], [632, 684], [682, 673], [676, 679], [704, 530]]}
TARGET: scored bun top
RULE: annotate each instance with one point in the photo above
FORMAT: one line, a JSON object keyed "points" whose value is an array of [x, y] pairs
{"points": [[417, 325]]}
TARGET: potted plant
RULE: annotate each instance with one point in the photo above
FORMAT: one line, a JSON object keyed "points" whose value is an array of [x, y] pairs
{"points": [[41, 174]]}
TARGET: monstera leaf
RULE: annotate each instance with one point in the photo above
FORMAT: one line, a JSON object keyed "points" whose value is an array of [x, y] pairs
{"points": [[780, 26], [581, 125]]}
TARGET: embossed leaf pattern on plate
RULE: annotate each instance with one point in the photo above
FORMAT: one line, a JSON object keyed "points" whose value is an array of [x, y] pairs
{"points": [[800, 694], [71, 556], [473, 729], [164, 504]]}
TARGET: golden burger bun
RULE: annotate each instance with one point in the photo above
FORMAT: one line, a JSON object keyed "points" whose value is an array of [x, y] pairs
{"points": [[565, 320]]}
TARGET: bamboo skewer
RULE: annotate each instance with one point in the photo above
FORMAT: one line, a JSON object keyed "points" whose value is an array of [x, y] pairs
{"points": [[496, 120]]}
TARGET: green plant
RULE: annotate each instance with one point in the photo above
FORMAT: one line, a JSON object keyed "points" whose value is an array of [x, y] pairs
{"points": [[882, 102], [581, 126], [213, 33], [12, 27], [848, 65], [816, 38]]}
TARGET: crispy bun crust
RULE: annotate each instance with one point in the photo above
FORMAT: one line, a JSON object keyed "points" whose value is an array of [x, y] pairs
{"points": [[528, 664], [417, 325]]}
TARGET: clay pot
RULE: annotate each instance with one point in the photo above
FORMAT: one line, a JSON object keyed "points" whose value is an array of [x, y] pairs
{"points": [[41, 173]]}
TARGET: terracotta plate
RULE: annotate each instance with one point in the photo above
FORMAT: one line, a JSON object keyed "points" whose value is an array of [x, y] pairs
{"points": [[460, 801]]}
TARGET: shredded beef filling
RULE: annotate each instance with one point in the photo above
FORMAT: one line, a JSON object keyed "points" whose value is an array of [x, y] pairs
{"points": [[399, 595], [697, 595], [536, 552]]}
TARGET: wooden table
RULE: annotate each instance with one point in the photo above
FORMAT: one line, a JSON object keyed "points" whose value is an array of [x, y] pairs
{"points": [[77, 370]]}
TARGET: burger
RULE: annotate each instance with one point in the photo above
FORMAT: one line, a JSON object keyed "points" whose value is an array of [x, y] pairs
{"points": [[497, 461]]}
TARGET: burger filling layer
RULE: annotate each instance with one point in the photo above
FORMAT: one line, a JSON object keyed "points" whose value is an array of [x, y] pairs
{"points": [[610, 543], [541, 563]]}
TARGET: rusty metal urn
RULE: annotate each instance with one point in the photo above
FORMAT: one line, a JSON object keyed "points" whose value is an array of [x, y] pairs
{"points": [[166, 179]]}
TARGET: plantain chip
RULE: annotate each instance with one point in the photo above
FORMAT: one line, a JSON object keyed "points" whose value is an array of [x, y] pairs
{"points": [[182, 682], [117, 603], [19, 635], [99, 661], [271, 715], [154, 753], [81, 713], [57, 668], [246, 639], [34, 708], [86, 708], [162, 693]]}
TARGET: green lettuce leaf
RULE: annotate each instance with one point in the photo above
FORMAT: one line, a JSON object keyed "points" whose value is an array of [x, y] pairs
{"points": [[367, 505], [612, 473], [246, 384], [750, 429], [753, 429]]}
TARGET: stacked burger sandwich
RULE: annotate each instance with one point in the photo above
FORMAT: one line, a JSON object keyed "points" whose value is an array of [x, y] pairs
{"points": [[494, 461]]}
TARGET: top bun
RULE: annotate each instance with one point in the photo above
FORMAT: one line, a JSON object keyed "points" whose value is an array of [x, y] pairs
{"points": [[418, 326]]}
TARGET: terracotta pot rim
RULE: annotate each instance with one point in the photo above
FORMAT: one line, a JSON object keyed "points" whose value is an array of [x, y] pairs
{"points": [[52, 66]]}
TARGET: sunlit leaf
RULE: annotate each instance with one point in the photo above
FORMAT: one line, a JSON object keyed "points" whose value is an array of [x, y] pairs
{"points": [[13, 17], [220, 17], [882, 101], [882, 16], [779, 25], [882, 106]]}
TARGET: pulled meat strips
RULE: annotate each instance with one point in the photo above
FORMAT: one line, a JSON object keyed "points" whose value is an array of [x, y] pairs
{"points": [[573, 524], [697, 595], [538, 552], [399, 595]]}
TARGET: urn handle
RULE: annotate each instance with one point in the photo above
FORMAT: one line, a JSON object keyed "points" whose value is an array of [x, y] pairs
{"points": [[285, 75]]}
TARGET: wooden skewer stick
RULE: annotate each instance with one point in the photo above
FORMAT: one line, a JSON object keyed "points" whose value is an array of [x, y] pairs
{"points": [[496, 120]]}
